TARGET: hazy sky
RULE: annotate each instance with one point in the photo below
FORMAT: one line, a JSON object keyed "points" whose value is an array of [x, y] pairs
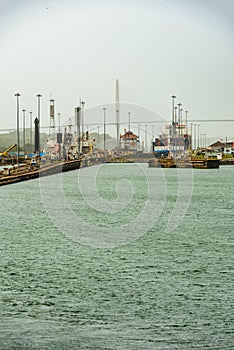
{"points": [[156, 48]]}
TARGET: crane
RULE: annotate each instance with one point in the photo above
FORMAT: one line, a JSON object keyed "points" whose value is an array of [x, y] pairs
{"points": [[6, 152]]}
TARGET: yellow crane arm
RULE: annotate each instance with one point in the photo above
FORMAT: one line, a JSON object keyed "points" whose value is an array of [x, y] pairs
{"points": [[5, 153]]}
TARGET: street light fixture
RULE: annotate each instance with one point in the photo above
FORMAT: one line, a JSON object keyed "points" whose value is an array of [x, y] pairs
{"points": [[129, 125], [17, 125], [191, 137], [39, 117], [104, 127], [179, 110], [82, 125], [195, 143], [186, 121], [24, 141], [30, 131], [198, 135]]}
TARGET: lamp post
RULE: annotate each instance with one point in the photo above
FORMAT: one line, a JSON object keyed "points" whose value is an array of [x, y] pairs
{"points": [[195, 144], [82, 125], [175, 118], [59, 132], [139, 144], [104, 127], [198, 135], [30, 113], [181, 119], [179, 110], [173, 115], [17, 125], [146, 137], [24, 141], [186, 122], [39, 117], [191, 136]]}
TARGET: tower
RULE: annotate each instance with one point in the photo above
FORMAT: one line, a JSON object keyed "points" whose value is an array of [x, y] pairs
{"points": [[52, 120], [117, 110]]}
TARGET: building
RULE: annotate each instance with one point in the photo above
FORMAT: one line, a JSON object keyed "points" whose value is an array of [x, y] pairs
{"points": [[226, 148], [129, 141]]}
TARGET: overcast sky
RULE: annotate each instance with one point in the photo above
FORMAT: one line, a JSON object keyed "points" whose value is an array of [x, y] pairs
{"points": [[71, 49]]}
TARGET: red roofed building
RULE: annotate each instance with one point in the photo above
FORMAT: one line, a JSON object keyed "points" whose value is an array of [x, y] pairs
{"points": [[129, 141], [217, 146]]}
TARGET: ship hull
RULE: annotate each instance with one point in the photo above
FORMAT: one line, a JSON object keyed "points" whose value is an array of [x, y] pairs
{"points": [[35, 172]]}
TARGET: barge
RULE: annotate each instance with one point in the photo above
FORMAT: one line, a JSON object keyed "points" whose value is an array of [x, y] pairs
{"points": [[185, 162], [27, 172]]}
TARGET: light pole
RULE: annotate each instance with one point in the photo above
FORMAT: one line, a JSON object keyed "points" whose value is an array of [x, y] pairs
{"points": [[104, 127], [139, 144], [191, 136], [179, 110], [181, 119], [17, 125], [30, 113], [59, 132], [173, 108], [129, 126], [24, 141], [82, 113], [152, 138], [173, 117], [146, 137], [195, 143], [39, 117], [186, 122], [198, 135]]}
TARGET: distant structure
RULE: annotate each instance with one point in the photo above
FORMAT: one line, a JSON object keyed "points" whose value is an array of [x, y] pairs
{"points": [[37, 144], [129, 141], [117, 111], [52, 120]]}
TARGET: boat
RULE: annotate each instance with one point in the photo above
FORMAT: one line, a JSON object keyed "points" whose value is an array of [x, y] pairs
{"points": [[189, 161], [27, 172]]}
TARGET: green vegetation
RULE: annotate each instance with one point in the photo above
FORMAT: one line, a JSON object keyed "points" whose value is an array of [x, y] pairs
{"points": [[10, 138]]}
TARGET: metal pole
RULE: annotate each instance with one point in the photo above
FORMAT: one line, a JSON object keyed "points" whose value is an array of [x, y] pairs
{"points": [[195, 143], [198, 135], [104, 128], [173, 120], [77, 122], [186, 122], [181, 119], [179, 105], [173, 115], [39, 117], [59, 130], [129, 121], [24, 141], [30, 132], [146, 137], [82, 117], [191, 146], [139, 137], [17, 125]]}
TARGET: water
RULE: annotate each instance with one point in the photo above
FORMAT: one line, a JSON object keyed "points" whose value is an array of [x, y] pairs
{"points": [[157, 291]]}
